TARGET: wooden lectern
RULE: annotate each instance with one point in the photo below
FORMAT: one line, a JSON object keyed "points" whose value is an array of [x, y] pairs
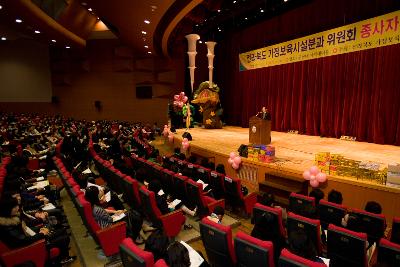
{"points": [[259, 131]]}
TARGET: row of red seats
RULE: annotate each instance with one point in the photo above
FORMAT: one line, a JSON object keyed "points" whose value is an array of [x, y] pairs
{"points": [[222, 186], [138, 198], [108, 238]]}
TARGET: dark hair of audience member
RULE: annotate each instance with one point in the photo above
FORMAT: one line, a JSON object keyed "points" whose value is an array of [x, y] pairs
{"points": [[6, 207], [141, 174], [220, 168], [335, 197], [267, 199], [317, 194], [373, 207], [204, 162], [178, 255], [218, 210], [92, 195], [301, 245], [157, 243], [154, 186], [192, 159]]}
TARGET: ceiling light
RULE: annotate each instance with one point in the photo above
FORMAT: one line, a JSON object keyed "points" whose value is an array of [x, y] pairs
{"points": [[146, 46], [3, 38], [262, 10], [148, 52], [1, 7], [219, 10], [37, 31], [200, 42], [147, 21], [53, 40], [18, 20], [219, 30], [68, 47], [84, 4], [90, 9], [285, 0], [234, 2], [245, 18], [144, 33]]}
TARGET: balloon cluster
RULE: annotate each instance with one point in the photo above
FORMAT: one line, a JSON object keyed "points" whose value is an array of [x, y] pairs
{"points": [[234, 160], [314, 176], [180, 100], [185, 144]]}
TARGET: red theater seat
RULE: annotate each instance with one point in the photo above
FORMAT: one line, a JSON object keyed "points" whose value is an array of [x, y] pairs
{"points": [[171, 223], [331, 213], [234, 195], [133, 256], [205, 204], [388, 253], [217, 240], [299, 204], [251, 251], [288, 259], [395, 236], [35, 253]]}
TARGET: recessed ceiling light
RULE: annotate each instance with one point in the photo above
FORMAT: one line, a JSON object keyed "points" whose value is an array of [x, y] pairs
{"points": [[36, 31], [1, 7], [245, 18], [285, 0], [84, 4], [200, 42], [53, 40], [143, 32], [3, 38], [262, 10], [146, 46], [147, 21], [18, 20], [148, 52], [90, 9], [219, 10], [234, 2], [68, 47], [219, 30]]}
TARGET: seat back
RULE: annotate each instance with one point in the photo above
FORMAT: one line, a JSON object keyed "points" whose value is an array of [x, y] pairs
{"points": [[310, 226], [149, 205], [395, 237], [167, 180], [131, 192], [179, 191], [288, 259], [300, 204], [346, 247], [195, 197], [201, 173], [388, 253], [331, 213], [251, 251], [217, 240], [133, 256], [233, 191], [372, 224], [217, 184], [258, 211]]}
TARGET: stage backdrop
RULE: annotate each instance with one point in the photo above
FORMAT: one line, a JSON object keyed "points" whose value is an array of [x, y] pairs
{"points": [[354, 94]]}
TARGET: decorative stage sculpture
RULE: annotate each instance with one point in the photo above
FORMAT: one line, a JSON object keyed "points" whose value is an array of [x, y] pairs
{"points": [[192, 40], [208, 99]]}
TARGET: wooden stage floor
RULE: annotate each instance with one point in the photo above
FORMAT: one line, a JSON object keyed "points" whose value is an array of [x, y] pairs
{"points": [[293, 151]]}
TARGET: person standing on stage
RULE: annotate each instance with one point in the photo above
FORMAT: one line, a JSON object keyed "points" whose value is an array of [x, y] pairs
{"points": [[264, 114]]}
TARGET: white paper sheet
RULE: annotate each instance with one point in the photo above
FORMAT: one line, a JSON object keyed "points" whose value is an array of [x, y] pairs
{"points": [[174, 203], [195, 259], [118, 217]]}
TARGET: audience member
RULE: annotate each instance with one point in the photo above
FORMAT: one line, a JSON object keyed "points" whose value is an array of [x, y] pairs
{"points": [[178, 255], [217, 215], [157, 243], [335, 197]]}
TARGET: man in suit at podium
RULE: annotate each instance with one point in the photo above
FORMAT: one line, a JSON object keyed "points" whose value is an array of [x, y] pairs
{"points": [[264, 114]]}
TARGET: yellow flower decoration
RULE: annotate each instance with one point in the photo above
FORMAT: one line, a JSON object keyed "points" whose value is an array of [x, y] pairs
{"points": [[208, 121], [201, 109], [212, 113]]}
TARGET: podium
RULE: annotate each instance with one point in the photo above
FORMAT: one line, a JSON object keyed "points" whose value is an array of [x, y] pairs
{"points": [[259, 131]]}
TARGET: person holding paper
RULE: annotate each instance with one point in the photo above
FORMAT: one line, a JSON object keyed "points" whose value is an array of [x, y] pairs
{"points": [[106, 217]]}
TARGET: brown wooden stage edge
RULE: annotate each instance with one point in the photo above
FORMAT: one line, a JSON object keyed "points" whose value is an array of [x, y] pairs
{"points": [[294, 154]]}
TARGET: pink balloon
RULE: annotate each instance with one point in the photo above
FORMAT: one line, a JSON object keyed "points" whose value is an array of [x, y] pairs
{"points": [[171, 138], [314, 170], [321, 177], [185, 99], [176, 97], [182, 93], [180, 104], [314, 183], [306, 175], [312, 177], [230, 161], [165, 126], [232, 155], [237, 160], [235, 166]]}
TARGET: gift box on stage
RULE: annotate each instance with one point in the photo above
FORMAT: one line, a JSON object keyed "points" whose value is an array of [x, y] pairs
{"points": [[322, 156], [393, 174], [332, 169]]}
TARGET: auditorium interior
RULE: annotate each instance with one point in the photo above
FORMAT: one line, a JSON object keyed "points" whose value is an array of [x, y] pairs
{"points": [[200, 133]]}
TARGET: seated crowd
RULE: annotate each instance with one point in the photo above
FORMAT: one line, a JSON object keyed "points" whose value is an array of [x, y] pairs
{"points": [[31, 209]]}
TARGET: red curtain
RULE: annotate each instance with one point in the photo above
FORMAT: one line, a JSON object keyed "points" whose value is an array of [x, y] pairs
{"points": [[355, 94]]}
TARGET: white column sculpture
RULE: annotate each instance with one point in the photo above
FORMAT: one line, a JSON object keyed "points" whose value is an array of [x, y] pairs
{"points": [[192, 39], [210, 56]]}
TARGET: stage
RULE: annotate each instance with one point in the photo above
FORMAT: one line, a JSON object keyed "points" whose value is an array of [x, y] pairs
{"points": [[294, 154]]}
